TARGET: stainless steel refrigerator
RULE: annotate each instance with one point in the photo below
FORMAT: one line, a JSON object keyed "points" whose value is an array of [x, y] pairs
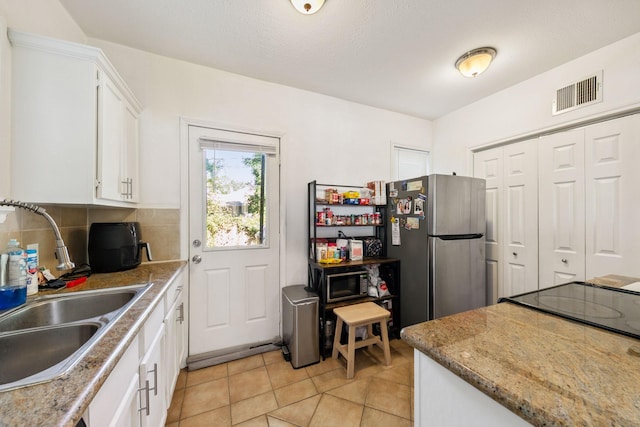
{"points": [[437, 227]]}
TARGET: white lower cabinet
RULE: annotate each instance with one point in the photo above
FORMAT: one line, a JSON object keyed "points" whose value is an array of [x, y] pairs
{"points": [[175, 344], [139, 389], [440, 394], [152, 372], [117, 402]]}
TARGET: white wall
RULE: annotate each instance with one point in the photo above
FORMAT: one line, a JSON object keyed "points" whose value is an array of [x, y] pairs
{"points": [[526, 108], [324, 138]]}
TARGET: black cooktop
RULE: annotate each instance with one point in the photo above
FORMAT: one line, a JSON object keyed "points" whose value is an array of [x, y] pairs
{"points": [[613, 309]]}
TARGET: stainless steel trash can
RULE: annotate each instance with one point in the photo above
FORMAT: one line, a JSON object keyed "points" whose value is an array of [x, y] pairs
{"points": [[300, 310]]}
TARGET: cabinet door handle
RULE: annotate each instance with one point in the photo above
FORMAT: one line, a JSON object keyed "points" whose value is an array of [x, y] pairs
{"points": [[564, 260], [181, 311], [155, 379], [146, 393]]}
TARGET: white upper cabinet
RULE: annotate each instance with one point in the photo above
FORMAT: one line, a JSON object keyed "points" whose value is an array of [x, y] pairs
{"points": [[74, 125]]}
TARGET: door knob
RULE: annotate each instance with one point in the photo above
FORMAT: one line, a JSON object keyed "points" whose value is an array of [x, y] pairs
{"points": [[196, 259], [196, 243], [515, 253], [564, 260]]}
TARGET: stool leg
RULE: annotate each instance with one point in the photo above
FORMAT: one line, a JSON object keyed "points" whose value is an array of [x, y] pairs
{"points": [[370, 333], [385, 341], [351, 352], [336, 337]]}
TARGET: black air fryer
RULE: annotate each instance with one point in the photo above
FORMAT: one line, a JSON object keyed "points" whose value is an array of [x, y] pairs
{"points": [[115, 246]]}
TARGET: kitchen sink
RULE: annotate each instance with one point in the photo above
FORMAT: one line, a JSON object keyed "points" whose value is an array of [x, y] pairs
{"points": [[39, 353], [66, 308], [44, 338]]}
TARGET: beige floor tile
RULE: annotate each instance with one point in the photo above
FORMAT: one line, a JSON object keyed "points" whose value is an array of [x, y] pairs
{"points": [[367, 372], [260, 421], [274, 422], [401, 374], [333, 411], [248, 384], [374, 418], [205, 397], [390, 397], [295, 392], [298, 413], [246, 364], [173, 413], [253, 407], [273, 357], [326, 365], [330, 380], [220, 417], [355, 392], [203, 375], [402, 347], [282, 374], [181, 382]]}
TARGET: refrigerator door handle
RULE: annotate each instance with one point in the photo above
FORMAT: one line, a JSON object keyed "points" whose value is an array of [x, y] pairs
{"points": [[460, 236]]}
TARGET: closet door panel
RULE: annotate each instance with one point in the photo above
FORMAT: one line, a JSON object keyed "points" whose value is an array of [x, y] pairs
{"points": [[488, 165], [521, 217], [561, 208], [612, 155]]}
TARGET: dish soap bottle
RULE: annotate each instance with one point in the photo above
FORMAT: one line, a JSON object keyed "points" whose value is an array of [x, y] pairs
{"points": [[13, 277]]}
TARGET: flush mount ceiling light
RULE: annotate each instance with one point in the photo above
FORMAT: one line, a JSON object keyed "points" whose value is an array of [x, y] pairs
{"points": [[307, 7], [474, 62]]}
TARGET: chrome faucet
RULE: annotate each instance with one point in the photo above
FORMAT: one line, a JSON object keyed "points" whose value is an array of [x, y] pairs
{"points": [[62, 254]]}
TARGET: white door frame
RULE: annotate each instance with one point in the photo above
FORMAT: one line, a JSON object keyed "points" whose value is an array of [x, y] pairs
{"points": [[185, 122]]}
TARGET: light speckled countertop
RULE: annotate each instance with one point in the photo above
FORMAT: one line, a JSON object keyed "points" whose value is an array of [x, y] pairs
{"points": [[63, 401], [547, 370]]}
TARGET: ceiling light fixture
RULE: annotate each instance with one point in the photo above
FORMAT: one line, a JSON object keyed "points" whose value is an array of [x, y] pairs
{"points": [[307, 7], [474, 62]]}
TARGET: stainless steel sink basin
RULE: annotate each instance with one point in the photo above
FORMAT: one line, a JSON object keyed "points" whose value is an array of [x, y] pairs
{"points": [[66, 308], [46, 337], [26, 353]]}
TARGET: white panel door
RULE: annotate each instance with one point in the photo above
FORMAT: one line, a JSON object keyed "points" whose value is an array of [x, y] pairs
{"points": [[561, 208], [612, 157], [488, 165], [234, 294], [520, 218]]}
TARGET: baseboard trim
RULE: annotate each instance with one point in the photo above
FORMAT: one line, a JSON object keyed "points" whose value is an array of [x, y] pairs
{"points": [[212, 358]]}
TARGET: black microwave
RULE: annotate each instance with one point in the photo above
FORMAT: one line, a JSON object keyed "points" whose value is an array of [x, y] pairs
{"points": [[345, 285]]}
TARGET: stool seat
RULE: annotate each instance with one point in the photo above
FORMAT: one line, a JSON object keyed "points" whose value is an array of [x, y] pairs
{"points": [[363, 314]]}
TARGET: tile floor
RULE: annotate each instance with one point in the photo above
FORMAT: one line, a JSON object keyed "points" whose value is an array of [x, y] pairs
{"points": [[264, 390]]}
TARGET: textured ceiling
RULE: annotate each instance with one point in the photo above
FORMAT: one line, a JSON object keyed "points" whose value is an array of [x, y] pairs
{"points": [[392, 54]]}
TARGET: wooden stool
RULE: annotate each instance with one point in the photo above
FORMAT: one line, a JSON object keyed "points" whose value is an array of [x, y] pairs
{"points": [[366, 313]]}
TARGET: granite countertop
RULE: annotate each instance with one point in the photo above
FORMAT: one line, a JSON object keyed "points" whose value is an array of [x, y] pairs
{"points": [[63, 401], [547, 370]]}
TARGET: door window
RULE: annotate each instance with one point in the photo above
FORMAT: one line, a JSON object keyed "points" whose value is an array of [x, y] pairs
{"points": [[236, 213]]}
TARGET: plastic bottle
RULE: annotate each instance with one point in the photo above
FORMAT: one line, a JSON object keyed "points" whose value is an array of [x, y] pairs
{"points": [[13, 290], [32, 270]]}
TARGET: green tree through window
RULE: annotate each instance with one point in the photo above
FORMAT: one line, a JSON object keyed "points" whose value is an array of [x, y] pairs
{"points": [[235, 198]]}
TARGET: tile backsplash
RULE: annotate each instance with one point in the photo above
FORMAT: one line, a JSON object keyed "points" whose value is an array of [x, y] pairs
{"points": [[159, 227]]}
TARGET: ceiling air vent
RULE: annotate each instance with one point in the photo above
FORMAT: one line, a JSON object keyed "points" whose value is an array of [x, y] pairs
{"points": [[579, 94]]}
